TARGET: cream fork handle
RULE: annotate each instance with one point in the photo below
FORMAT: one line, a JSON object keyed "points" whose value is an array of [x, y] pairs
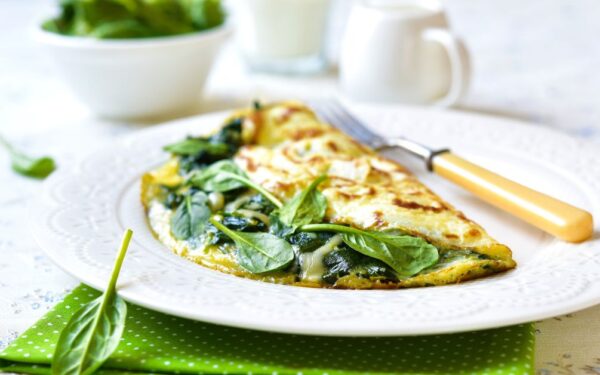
{"points": [[553, 216]]}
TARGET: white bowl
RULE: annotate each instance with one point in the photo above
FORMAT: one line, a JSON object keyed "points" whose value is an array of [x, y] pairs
{"points": [[135, 78]]}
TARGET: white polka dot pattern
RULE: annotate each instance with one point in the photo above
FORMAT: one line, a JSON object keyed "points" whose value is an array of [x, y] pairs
{"points": [[154, 342]]}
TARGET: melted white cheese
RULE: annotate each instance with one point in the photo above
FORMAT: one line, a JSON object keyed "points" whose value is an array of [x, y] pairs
{"points": [[357, 169], [312, 268]]}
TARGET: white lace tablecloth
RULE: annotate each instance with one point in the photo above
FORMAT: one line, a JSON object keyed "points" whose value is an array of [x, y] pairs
{"points": [[533, 60]]}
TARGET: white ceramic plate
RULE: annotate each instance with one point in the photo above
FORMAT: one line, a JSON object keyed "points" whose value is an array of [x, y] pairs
{"points": [[82, 213]]}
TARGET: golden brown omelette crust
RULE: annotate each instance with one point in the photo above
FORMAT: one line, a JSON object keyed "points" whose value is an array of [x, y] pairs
{"points": [[288, 147]]}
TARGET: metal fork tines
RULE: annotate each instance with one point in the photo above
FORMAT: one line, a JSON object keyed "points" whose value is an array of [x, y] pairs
{"points": [[334, 113]]}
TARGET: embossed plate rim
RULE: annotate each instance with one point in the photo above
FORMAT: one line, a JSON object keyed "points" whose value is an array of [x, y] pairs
{"points": [[81, 237]]}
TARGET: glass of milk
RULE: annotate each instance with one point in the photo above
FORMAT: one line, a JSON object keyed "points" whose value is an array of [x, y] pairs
{"points": [[282, 36]]}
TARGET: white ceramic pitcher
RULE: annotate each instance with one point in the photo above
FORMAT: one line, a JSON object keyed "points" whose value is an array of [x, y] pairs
{"points": [[402, 51]]}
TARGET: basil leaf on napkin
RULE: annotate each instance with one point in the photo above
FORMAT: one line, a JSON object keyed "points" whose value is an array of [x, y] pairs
{"points": [[26, 165], [94, 331], [191, 216], [407, 255], [307, 206], [259, 252]]}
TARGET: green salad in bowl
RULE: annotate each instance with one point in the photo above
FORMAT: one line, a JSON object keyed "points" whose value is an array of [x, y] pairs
{"points": [[112, 19], [136, 59]]}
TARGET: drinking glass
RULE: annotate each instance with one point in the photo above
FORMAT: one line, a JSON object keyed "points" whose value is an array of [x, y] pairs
{"points": [[282, 36]]}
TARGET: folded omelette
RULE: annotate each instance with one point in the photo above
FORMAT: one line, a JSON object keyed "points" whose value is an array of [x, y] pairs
{"points": [[279, 196]]}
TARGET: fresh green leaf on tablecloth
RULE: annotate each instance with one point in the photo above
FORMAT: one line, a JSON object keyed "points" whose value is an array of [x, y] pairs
{"points": [[26, 165], [94, 331]]}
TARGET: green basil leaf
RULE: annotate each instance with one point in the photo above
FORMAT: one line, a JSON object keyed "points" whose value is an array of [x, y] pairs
{"points": [[278, 228], [230, 133], [191, 216], [165, 17], [95, 330], [259, 252], [220, 176], [101, 326], [52, 25], [135, 18], [121, 29], [88, 16], [307, 206], [407, 255], [29, 166], [225, 175], [33, 167], [130, 5], [193, 146], [346, 261], [205, 13], [310, 241]]}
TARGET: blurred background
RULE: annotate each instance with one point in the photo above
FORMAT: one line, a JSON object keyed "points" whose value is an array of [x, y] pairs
{"points": [[533, 60]]}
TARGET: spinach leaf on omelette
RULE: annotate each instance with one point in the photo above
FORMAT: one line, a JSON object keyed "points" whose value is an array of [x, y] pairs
{"points": [[392, 231]]}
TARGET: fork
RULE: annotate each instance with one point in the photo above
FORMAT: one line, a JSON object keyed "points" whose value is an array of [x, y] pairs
{"points": [[549, 214]]}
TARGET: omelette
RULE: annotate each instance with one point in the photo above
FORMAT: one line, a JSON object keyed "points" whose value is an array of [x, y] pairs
{"points": [[279, 196]]}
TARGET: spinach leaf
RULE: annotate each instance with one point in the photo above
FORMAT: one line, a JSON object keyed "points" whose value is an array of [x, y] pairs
{"points": [[309, 241], [345, 261], [135, 18], [259, 252], [163, 17], [278, 228], [225, 175], [95, 330], [220, 176], [259, 203], [407, 255], [230, 134], [307, 206], [215, 237], [193, 146], [26, 165], [221, 145], [127, 28], [32, 167], [242, 223], [172, 196], [204, 13], [191, 216]]}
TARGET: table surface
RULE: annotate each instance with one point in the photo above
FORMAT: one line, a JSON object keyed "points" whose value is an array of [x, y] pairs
{"points": [[532, 60]]}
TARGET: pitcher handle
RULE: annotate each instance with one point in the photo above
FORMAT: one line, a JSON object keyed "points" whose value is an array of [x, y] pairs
{"points": [[460, 67]]}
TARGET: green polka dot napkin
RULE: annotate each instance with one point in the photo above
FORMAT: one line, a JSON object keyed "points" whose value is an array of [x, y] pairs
{"points": [[159, 343]]}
